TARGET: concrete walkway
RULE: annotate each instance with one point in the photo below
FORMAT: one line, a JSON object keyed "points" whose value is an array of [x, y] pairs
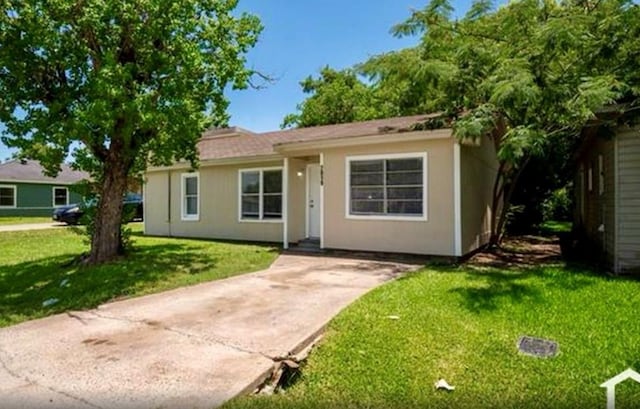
{"points": [[31, 226], [193, 347]]}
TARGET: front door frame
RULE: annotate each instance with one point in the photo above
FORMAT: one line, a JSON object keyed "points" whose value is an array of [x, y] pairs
{"points": [[307, 227]]}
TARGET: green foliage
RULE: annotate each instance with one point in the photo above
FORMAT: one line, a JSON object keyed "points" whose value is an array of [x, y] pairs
{"points": [[149, 74], [131, 83], [336, 97], [558, 206]]}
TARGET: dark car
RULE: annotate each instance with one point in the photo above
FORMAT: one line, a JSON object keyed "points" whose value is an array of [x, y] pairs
{"points": [[72, 214]]}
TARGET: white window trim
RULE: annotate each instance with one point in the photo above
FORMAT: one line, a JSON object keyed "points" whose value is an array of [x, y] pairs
{"points": [[425, 184], [183, 208], [260, 195], [15, 197], [53, 196]]}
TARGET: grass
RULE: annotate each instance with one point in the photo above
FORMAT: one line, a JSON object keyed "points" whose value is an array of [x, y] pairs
{"points": [[555, 227], [37, 265], [462, 324], [7, 220]]}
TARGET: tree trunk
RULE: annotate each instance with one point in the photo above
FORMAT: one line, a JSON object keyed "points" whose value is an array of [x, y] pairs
{"points": [[505, 193], [106, 242]]}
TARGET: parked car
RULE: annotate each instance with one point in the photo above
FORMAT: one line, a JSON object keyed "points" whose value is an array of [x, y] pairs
{"points": [[72, 214]]}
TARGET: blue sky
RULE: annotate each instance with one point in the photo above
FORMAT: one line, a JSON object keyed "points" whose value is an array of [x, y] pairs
{"points": [[299, 38]]}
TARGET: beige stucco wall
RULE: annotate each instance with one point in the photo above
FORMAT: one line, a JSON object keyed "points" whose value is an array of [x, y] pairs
{"points": [[218, 206], [434, 236], [478, 168]]}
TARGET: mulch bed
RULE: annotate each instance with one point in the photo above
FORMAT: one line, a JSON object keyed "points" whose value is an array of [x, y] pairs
{"points": [[520, 251]]}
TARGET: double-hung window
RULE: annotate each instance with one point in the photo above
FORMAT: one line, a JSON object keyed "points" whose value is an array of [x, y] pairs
{"points": [[261, 194], [7, 196], [387, 186], [60, 196], [190, 196]]}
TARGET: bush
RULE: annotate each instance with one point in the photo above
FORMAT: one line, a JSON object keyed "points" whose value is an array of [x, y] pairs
{"points": [[558, 206]]}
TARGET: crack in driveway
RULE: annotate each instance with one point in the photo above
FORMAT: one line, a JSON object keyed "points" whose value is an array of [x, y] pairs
{"points": [[29, 381], [156, 324]]}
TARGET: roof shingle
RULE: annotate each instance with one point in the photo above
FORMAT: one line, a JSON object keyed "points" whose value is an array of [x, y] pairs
{"points": [[32, 171], [237, 142]]}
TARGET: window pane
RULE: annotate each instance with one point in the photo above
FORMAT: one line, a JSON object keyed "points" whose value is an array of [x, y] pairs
{"points": [[404, 193], [367, 179], [272, 207], [191, 185], [250, 182], [6, 196], [366, 166], [367, 206], [413, 207], [404, 164], [404, 178], [250, 206], [192, 205], [60, 197], [367, 193], [272, 181]]}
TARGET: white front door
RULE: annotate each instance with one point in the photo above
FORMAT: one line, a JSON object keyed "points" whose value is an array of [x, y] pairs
{"points": [[313, 200]]}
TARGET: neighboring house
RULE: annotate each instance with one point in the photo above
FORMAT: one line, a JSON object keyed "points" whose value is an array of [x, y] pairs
{"points": [[374, 186], [607, 196], [26, 191]]}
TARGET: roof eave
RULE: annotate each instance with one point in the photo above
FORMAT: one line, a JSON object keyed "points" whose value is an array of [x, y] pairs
{"points": [[218, 162], [290, 147]]}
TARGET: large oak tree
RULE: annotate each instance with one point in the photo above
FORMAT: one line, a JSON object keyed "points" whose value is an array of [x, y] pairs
{"points": [[130, 82]]}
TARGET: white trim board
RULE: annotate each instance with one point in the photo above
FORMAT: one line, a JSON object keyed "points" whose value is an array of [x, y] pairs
{"points": [[285, 204], [53, 195], [321, 200], [183, 216], [457, 201], [260, 218], [15, 196]]}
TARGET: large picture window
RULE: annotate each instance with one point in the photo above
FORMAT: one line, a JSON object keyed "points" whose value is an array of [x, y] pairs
{"points": [[190, 196], [7, 196], [60, 196], [261, 194], [387, 186]]}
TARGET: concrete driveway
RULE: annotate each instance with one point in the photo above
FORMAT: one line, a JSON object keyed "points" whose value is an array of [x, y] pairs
{"points": [[31, 226], [193, 347]]}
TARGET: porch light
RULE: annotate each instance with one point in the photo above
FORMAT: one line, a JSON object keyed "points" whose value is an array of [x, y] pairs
{"points": [[300, 173]]}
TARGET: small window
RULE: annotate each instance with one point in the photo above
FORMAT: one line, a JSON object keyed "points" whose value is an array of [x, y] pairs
{"points": [[391, 186], [261, 194], [600, 174], [7, 196], [190, 196], [590, 178], [60, 196]]}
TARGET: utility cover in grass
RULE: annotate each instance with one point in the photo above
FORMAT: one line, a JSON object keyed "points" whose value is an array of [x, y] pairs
{"points": [[537, 347]]}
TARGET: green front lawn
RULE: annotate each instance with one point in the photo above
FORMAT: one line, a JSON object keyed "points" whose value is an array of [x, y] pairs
{"points": [[36, 266], [7, 220], [462, 324]]}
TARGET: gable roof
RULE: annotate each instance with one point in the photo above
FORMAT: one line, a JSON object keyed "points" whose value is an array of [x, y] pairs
{"points": [[236, 142], [31, 171]]}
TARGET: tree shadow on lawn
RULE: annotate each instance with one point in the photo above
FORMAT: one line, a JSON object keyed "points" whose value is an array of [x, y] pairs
{"points": [[25, 286], [489, 288]]}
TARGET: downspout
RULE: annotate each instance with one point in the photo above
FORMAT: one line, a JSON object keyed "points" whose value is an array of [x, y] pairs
{"points": [[169, 202]]}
